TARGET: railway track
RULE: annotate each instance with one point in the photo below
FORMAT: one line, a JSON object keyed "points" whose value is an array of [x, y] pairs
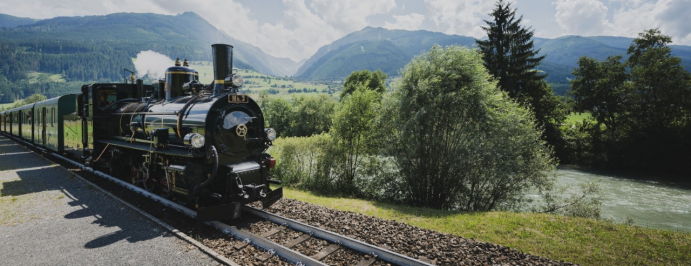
{"points": [[334, 242]]}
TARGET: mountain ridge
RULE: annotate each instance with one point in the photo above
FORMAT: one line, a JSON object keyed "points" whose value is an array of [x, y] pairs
{"points": [[561, 53]]}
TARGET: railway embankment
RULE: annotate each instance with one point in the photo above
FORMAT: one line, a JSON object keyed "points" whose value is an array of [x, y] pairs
{"points": [[560, 238]]}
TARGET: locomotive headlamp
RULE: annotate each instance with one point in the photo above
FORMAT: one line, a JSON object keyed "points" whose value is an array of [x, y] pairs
{"points": [[195, 140], [270, 134], [236, 80]]}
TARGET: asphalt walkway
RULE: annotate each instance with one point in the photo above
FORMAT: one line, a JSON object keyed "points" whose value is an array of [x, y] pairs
{"points": [[48, 216]]}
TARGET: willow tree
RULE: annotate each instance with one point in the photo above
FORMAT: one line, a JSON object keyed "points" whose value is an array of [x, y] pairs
{"points": [[458, 140]]}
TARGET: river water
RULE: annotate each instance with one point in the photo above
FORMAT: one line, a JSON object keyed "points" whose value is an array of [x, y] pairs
{"points": [[650, 203]]}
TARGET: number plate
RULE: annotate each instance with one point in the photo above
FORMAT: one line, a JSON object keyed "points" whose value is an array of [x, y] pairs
{"points": [[237, 98]]}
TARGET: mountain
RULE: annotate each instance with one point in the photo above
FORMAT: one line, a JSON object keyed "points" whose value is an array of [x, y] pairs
{"points": [[7, 21], [186, 35], [395, 48], [408, 44], [379, 54]]}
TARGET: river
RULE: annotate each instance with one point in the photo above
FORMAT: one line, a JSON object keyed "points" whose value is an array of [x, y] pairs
{"points": [[653, 204]]}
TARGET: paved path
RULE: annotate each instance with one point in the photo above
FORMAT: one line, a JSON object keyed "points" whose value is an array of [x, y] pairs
{"points": [[48, 216]]}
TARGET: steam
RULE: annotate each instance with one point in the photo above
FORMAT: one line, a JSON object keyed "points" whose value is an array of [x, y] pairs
{"points": [[152, 63]]}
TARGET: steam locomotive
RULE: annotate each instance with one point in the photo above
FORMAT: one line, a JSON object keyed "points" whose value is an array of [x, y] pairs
{"points": [[203, 145]]}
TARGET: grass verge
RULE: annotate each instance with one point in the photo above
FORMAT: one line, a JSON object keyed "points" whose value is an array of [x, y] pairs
{"points": [[578, 240]]}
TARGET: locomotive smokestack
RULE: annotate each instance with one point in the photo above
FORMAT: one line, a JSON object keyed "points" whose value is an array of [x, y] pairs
{"points": [[223, 65]]}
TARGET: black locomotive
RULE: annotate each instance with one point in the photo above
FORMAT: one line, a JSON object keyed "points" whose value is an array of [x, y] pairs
{"points": [[204, 145]]}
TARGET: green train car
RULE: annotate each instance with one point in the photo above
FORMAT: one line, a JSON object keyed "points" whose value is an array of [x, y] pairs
{"points": [[26, 121], [14, 127], [48, 126], [44, 123], [3, 121]]}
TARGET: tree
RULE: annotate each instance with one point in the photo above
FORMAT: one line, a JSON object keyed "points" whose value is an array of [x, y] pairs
{"points": [[458, 140], [311, 115], [352, 129], [601, 89], [508, 54], [375, 81], [646, 112], [508, 51], [662, 85], [278, 114]]}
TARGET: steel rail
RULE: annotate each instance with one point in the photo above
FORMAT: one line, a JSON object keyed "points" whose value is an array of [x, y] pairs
{"points": [[380, 253], [271, 247]]}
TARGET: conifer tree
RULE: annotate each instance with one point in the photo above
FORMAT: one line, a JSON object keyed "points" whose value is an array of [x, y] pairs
{"points": [[509, 55]]}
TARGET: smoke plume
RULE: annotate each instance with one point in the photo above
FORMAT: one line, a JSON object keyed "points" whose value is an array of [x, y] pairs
{"points": [[152, 63]]}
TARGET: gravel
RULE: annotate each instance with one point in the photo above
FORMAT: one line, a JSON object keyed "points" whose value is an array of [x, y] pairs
{"points": [[426, 245]]}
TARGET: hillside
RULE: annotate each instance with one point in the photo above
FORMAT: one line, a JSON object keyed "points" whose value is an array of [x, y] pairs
{"points": [[185, 35], [7, 21], [334, 61], [408, 43]]}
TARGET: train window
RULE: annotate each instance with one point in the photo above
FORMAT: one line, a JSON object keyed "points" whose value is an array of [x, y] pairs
{"points": [[106, 97], [52, 117]]}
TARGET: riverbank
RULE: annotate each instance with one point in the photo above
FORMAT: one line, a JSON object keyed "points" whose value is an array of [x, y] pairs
{"points": [[578, 240]]}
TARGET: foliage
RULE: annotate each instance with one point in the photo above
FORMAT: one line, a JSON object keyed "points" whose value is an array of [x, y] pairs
{"points": [[352, 130], [302, 162], [643, 115], [278, 113], [304, 116], [459, 141], [600, 88], [586, 202], [375, 81], [508, 51], [312, 115], [509, 55]]}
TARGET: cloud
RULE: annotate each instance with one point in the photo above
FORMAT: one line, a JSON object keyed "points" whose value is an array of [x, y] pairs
{"points": [[582, 17], [348, 16], [462, 17], [406, 22], [670, 16]]}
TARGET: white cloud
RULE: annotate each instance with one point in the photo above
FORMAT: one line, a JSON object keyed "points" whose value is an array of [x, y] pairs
{"points": [[670, 16], [406, 22], [582, 17], [462, 17], [349, 16]]}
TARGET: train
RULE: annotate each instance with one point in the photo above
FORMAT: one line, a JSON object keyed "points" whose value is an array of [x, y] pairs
{"points": [[204, 146]]}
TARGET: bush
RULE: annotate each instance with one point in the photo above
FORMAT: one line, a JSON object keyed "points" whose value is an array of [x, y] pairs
{"points": [[459, 141], [302, 162]]}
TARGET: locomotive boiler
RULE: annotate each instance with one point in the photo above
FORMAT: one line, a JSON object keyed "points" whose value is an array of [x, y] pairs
{"points": [[204, 145]]}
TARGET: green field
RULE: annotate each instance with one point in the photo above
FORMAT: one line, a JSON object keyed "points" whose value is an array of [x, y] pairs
{"points": [[6, 106], [38, 77], [255, 83], [578, 240]]}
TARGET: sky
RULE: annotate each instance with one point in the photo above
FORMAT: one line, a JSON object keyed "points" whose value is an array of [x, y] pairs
{"points": [[296, 29]]}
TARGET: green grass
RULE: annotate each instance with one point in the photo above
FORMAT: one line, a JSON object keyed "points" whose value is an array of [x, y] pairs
{"points": [[578, 240], [36, 77], [572, 118]]}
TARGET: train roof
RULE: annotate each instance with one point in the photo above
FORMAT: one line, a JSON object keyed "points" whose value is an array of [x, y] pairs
{"points": [[64, 99]]}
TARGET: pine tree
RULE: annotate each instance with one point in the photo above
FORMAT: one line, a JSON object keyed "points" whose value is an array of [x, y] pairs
{"points": [[508, 51], [509, 55]]}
